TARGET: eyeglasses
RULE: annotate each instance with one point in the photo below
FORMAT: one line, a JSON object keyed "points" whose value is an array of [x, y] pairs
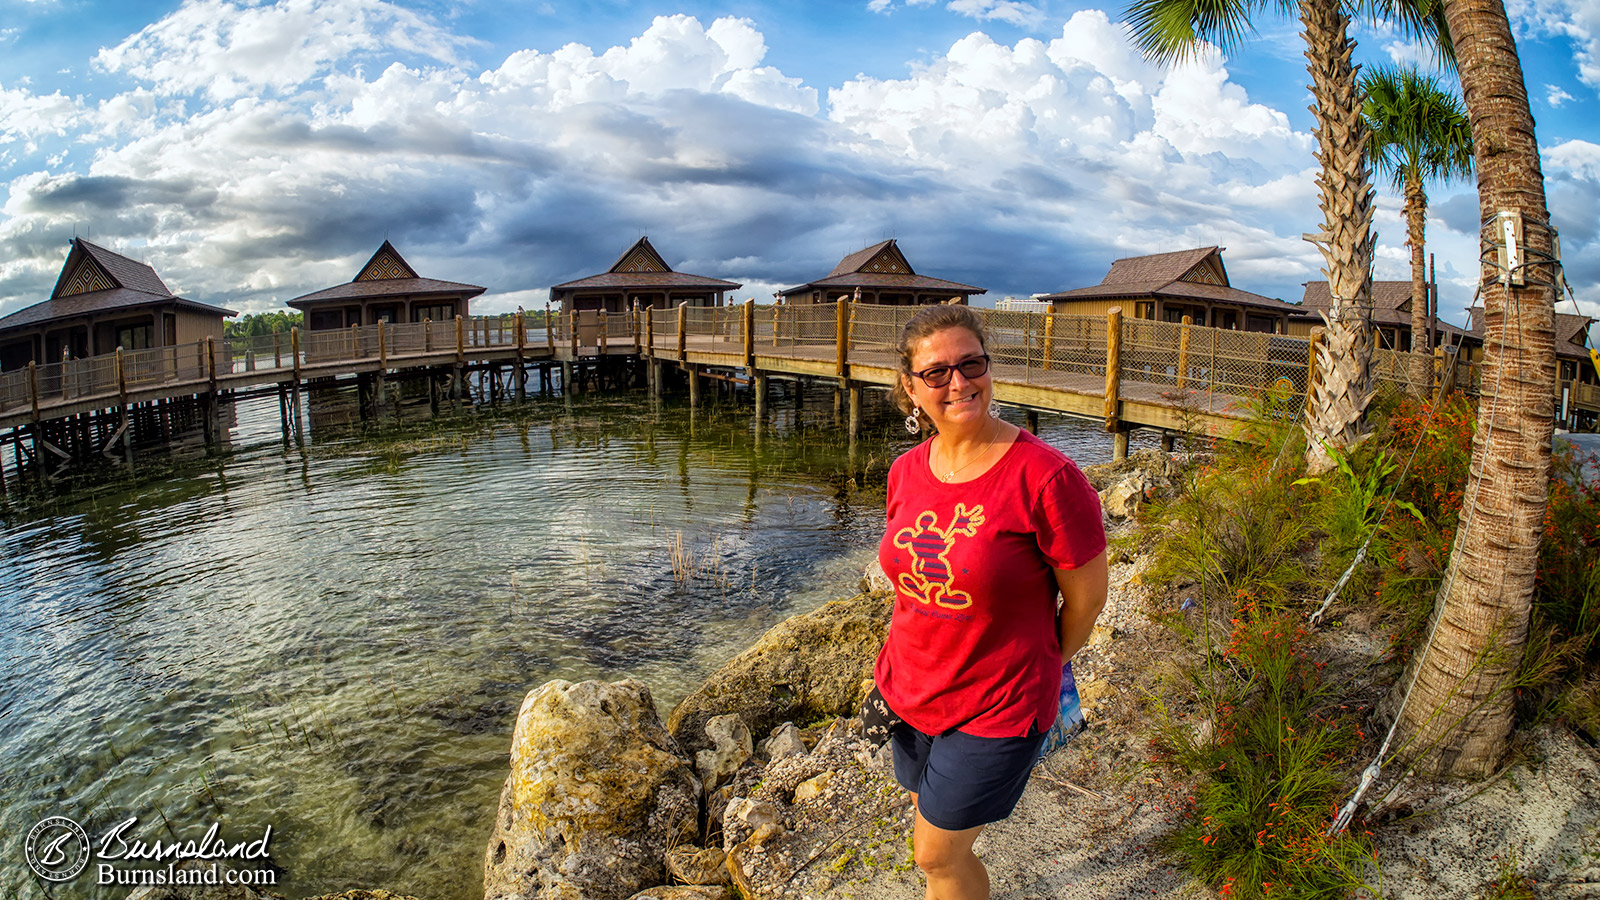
{"points": [[970, 368]]}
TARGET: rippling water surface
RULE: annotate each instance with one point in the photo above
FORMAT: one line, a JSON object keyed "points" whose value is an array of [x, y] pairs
{"points": [[333, 639]]}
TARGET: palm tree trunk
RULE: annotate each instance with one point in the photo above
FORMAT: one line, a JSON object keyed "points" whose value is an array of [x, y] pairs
{"points": [[1336, 411], [1458, 718], [1416, 215]]}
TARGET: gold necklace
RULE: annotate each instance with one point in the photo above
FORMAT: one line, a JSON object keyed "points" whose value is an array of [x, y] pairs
{"points": [[985, 452]]}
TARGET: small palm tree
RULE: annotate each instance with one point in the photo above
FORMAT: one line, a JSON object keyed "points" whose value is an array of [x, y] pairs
{"points": [[1420, 134], [1169, 31]]}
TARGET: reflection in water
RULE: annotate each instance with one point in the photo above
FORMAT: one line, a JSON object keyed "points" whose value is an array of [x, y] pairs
{"points": [[333, 637]]}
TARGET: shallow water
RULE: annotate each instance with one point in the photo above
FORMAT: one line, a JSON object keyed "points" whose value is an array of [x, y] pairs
{"points": [[333, 638]]}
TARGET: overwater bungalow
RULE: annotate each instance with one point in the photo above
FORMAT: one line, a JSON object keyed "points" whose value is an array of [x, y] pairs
{"points": [[386, 289], [640, 277], [1168, 286], [1391, 316], [879, 274], [104, 300]]}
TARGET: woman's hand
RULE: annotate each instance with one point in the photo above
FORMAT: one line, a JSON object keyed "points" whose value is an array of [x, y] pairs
{"points": [[1083, 593]]}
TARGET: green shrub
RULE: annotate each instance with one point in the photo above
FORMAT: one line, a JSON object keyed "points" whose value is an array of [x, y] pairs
{"points": [[1270, 770]]}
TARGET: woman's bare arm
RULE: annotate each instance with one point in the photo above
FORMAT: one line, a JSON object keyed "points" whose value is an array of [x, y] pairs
{"points": [[1083, 592]]}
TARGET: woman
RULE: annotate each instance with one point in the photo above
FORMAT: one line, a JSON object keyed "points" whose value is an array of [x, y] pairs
{"points": [[986, 523]]}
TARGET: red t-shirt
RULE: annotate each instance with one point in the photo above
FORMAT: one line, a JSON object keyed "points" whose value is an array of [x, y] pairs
{"points": [[973, 642]]}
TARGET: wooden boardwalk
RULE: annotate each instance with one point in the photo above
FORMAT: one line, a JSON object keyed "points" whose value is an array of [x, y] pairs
{"points": [[1165, 376]]}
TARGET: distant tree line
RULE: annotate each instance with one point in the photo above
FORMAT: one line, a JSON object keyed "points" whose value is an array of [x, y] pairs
{"points": [[253, 324]]}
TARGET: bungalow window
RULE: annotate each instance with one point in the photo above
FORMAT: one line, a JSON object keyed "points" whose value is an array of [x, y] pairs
{"points": [[442, 312], [1260, 323], [134, 337]]}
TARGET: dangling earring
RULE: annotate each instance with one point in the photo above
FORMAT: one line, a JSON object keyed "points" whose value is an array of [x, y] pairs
{"points": [[913, 423], [994, 408]]}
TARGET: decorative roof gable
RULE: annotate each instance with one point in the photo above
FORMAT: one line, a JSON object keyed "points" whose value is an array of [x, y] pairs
{"points": [[1208, 271], [641, 257], [91, 268], [87, 277], [1202, 265], [385, 265], [882, 258]]}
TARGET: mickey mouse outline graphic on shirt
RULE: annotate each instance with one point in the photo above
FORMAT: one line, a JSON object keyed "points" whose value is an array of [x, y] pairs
{"points": [[930, 579]]}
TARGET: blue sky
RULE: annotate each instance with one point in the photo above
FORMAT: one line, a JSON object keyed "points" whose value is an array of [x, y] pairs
{"points": [[256, 151]]}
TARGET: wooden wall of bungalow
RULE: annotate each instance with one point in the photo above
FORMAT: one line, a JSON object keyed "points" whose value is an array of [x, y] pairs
{"points": [[392, 309], [103, 331], [615, 301], [1163, 309]]}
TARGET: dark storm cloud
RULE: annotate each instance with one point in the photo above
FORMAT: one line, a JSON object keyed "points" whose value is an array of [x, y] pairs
{"points": [[91, 194]]}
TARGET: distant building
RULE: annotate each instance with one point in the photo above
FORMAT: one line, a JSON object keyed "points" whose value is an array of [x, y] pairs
{"points": [[1168, 286], [386, 289], [1014, 304], [104, 300], [641, 277], [1391, 316], [879, 274]]}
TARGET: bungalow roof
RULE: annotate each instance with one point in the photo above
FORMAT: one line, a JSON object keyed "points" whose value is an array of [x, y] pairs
{"points": [[387, 274]]}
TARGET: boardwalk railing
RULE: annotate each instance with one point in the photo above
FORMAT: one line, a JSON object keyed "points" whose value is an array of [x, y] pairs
{"points": [[1155, 361]]}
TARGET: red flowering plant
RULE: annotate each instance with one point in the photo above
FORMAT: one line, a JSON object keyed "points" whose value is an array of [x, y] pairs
{"points": [[1270, 769], [1438, 443]]}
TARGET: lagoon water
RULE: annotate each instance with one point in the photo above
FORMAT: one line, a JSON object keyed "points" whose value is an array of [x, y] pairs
{"points": [[333, 638]]}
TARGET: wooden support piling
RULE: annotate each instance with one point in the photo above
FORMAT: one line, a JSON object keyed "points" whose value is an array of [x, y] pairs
{"points": [[759, 384], [854, 390], [841, 338], [1183, 351], [694, 386], [1032, 417], [747, 325], [1113, 369]]}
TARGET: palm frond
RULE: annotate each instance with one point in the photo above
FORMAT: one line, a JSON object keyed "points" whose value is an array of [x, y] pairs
{"points": [[1171, 31]]}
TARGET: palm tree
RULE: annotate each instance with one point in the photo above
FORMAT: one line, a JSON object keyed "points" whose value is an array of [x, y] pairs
{"points": [[1419, 134], [1458, 717], [1169, 31]]}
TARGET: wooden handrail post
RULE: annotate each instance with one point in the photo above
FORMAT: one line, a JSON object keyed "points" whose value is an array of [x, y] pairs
{"points": [[211, 360], [1311, 363], [603, 341], [277, 350], [776, 311], [461, 340], [33, 388], [1183, 351], [427, 335], [1113, 365], [355, 342], [294, 350], [122, 378], [1049, 337], [519, 330], [650, 330], [1438, 367], [549, 329], [841, 335], [748, 324], [383, 345], [572, 327], [683, 332]]}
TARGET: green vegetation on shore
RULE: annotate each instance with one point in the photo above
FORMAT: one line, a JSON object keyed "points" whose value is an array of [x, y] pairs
{"points": [[1270, 722]]}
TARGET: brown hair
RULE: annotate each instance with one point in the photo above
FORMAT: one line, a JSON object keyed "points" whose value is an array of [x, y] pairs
{"points": [[929, 321]]}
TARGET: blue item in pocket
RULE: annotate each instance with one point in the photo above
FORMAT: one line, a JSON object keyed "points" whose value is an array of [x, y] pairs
{"points": [[1069, 717]]}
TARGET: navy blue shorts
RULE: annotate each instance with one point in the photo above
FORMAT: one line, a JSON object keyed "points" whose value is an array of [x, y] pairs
{"points": [[963, 781]]}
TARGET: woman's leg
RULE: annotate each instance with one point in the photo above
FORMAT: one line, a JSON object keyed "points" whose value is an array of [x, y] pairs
{"points": [[946, 858]]}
